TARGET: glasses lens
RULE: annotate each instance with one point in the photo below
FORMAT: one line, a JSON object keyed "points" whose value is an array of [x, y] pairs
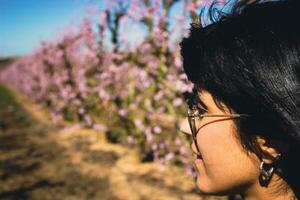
{"points": [[193, 114]]}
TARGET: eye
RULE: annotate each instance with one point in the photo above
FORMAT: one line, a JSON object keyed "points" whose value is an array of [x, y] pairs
{"points": [[201, 109], [193, 101]]}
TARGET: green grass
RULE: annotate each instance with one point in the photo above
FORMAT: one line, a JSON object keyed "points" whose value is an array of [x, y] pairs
{"points": [[12, 115]]}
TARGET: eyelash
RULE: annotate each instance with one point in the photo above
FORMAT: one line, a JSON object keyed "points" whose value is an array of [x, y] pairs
{"points": [[195, 100], [201, 109]]}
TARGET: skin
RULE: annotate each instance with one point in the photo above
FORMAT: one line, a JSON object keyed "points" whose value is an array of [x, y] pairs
{"points": [[226, 168]]}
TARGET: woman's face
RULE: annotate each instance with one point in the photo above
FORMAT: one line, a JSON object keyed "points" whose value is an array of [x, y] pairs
{"points": [[224, 166]]}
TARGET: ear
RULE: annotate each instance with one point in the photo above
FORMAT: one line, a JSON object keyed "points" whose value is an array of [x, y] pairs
{"points": [[271, 148]]}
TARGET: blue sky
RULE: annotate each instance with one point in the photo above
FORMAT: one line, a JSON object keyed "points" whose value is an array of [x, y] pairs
{"points": [[24, 23]]}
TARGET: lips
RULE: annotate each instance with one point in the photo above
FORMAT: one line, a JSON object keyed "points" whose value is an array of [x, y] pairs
{"points": [[199, 156], [198, 159]]}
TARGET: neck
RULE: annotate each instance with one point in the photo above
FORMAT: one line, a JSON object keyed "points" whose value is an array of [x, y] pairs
{"points": [[271, 192]]}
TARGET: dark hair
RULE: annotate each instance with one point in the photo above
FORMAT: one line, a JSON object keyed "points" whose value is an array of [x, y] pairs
{"points": [[249, 59]]}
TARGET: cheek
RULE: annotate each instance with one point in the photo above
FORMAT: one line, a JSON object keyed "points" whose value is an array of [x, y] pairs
{"points": [[218, 143], [225, 161]]}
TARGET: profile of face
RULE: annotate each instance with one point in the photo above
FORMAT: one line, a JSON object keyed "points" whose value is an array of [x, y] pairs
{"points": [[224, 166]]}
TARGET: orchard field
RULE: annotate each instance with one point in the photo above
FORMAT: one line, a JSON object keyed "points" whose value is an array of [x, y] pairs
{"points": [[41, 161], [94, 113]]}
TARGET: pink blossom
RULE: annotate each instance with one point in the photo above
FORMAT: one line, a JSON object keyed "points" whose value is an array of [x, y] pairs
{"points": [[169, 156], [153, 64], [147, 102], [149, 135], [162, 145], [185, 160], [123, 112], [183, 150], [158, 96], [154, 147], [81, 110], [178, 62], [157, 129], [104, 95], [161, 110], [177, 102], [183, 76], [138, 123], [100, 127], [162, 168], [142, 74], [146, 47], [178, 141], [102, 19], [131, 140], [190, 171], [88, 120]]}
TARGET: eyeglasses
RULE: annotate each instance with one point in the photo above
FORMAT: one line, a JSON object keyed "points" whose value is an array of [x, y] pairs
{"points": [[195, 112]]}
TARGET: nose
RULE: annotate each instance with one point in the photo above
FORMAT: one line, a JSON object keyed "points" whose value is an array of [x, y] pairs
{"points": [[184, 126]]}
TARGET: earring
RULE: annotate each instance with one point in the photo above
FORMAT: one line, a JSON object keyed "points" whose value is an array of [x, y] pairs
{"points": [[266, 174]]}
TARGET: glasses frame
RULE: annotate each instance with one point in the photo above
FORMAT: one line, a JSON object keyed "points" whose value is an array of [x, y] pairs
{"points": [[193, 113]]}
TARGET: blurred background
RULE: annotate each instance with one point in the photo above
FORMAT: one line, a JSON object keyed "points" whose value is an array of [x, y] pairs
{"points": [[91, 92]]}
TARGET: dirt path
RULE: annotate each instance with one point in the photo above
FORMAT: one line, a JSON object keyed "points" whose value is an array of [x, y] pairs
{"points": [[41, 163], [76, 165], [129, 179]]}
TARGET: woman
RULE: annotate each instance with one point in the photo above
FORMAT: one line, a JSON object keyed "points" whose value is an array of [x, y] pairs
{"points": [[245, 119]]}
